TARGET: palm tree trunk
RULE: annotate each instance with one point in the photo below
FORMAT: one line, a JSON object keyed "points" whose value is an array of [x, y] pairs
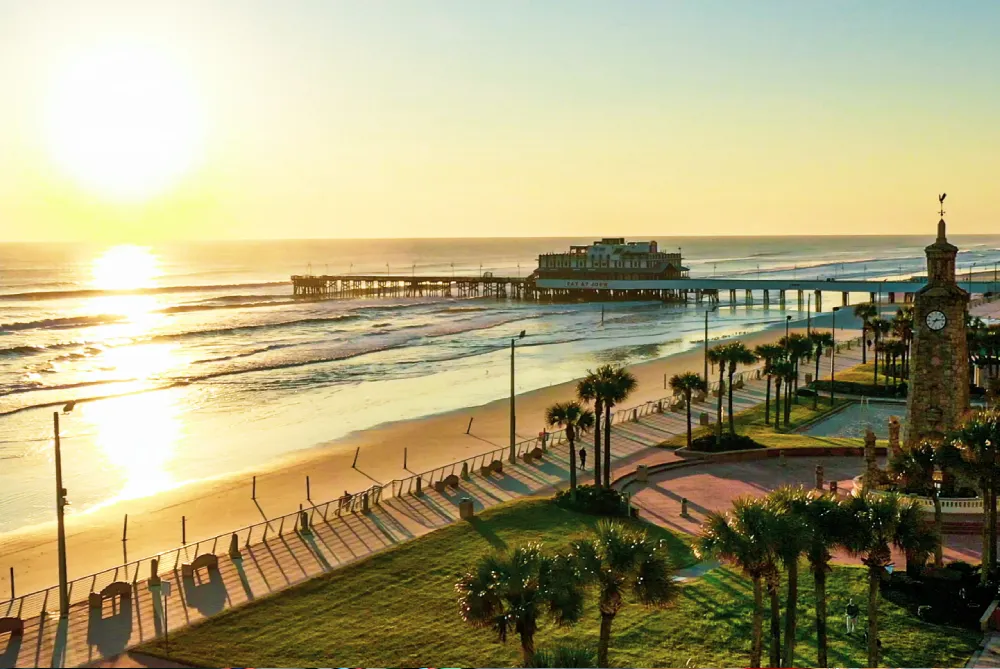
{"points": [[788, 402], [772, 593], [718, 423], [767, 402], [572, 462], [607, 444], [873, 577], [757, 627], [875, 356], [938, 529], [864, 342], [819, 585], [777, 403], [729, 392], [605, 641], [816, 381], [527, 649], [688, 398], [791, 602], [598, 410], [795, 390]]}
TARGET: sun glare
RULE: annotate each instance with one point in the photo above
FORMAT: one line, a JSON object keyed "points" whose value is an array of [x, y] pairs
{"points": [[125, 267], [124, 122]]}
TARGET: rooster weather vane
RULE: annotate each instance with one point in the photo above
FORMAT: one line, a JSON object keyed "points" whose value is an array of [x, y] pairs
{"points": [[941, 198]]}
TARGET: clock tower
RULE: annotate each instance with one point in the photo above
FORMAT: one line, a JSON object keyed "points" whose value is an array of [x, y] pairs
{"points": [[939, 369]]}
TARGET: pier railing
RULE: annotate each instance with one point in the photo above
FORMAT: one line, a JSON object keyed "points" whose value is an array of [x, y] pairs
{"points": [[168, 562]]}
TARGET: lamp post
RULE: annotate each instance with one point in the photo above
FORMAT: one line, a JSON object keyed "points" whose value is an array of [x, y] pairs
{"points": [[788, 319], [833, 350], [707, 312], [809, 308], [511, 457], [970, 277], [60, 524], [938, 483]]}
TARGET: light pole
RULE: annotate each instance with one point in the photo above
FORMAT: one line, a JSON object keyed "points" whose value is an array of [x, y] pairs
{"points": [[707, 312], [970, 277], [60, 524], [809, 308], [512, 457], [833, 351], [788, 319]]}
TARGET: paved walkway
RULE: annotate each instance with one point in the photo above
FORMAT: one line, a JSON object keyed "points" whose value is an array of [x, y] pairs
{"points": [[89, 636]]}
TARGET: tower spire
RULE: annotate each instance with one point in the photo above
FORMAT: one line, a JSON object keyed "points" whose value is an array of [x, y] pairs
{"points": [[941, 237]]}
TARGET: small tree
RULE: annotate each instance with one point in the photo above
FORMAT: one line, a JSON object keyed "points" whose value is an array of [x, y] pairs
{"points": [[866, 311], [736, 354], [820, 341], [686, 384], [717, 356], [576, 420], [618, 384], [511, 591], [621, 561], [769, 353]]}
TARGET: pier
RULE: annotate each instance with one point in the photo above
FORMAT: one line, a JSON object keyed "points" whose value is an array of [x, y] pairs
{"points": [[766, 292]]}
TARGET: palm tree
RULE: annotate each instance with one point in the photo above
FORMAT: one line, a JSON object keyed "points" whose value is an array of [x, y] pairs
{"points": [[902, 326], [621, 561], [688, 383], [717, 356], [866, 311], [879, 521], [798, 346], [782, 369], [510, 591], [769, 353], [618, 385], [820, 341], [914, 469], [825, 519], [740, 537], [879, 327], [736, 354], [791, 540], [576, 420], [589, 390], [977, 441]]}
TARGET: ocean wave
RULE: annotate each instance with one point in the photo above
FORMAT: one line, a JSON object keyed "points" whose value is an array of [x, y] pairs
{"points": [[157, 290], [62, 323]]}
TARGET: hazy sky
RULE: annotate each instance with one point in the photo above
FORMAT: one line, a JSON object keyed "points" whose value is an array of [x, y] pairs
{"points": [[442, 118]]}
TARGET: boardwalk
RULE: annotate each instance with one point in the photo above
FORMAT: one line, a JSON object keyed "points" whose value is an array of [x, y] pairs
{"points": [[88, 635]]}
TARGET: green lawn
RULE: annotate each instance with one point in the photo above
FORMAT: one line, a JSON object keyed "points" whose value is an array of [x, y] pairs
{"points": [[863, 374], [751, 423], [399, 608]]}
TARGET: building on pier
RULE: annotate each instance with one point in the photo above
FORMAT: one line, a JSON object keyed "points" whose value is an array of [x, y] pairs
{"points": [[611, 259]]}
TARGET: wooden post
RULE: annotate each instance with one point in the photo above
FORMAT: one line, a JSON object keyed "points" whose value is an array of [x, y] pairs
{"points": [[308, 496], [253, 491], [684, 506], [355, 464], [184, 530], [404, 457], [470, 424], [12, 583], [125, 529]]}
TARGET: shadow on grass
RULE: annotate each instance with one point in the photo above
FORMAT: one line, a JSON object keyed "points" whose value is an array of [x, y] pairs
{"points": [[485, 530]]}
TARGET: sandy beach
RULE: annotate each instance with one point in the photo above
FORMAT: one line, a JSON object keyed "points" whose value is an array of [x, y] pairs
{"points": [[223, 504]]}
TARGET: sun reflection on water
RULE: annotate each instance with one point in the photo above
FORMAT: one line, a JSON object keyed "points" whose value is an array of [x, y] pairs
{"points": [[137, 435]]}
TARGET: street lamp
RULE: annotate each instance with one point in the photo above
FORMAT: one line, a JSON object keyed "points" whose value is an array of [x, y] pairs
{"points": [[707, 312], [61, 504], [512, 458], [788, 319], [809, 308], [833, 350]]}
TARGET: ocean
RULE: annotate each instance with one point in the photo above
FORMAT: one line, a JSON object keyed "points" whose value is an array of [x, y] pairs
{"points": [[188, 361]]}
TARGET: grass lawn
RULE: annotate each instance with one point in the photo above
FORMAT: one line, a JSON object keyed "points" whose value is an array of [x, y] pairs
{"points": [[751, 423], [863, 374], [399, 608]]}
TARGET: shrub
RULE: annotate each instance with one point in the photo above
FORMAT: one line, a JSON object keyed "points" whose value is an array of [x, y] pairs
{"points": [[963, 568], [866, 389], [729, 442], [566, 656], [594, 500]]}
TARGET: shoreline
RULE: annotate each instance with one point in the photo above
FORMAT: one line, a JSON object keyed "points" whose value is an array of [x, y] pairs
{"points": [[223, 503]]}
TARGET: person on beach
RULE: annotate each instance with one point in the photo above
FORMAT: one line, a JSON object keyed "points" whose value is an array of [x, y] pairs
{"points": [[852, 616], [583, 458]]}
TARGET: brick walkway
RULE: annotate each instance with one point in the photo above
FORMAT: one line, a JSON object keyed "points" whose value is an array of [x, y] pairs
{"points": [[90, 636]]}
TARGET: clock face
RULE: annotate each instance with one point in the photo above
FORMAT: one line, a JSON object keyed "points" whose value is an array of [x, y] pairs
{"points": [[936, 320]]}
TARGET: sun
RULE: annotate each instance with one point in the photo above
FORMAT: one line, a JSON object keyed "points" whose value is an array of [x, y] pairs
{"points": [[125, 267], [124, 122]]}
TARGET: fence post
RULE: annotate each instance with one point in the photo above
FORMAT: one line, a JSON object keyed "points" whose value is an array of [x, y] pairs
{"points": [[253, 491], [355, 465], [184, 530]]}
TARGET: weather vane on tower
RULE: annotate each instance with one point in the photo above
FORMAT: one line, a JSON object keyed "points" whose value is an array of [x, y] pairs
{"points": [[941, 198]]}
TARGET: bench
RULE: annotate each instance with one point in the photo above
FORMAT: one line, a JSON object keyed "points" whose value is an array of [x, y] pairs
{"points": [[208, 561], [13, 625], [111, 591], [485, 470], [497, 466], [537, 453], [527, 457], [451, 481], [439, 486]]}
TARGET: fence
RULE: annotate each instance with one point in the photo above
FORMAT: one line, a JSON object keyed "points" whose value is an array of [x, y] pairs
{"points": [[32, 604]]}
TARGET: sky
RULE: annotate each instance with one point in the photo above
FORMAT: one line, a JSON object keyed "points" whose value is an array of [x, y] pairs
{"points": [[490, 118]]}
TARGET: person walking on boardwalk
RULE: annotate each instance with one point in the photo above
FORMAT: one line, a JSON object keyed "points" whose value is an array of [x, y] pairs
{"points": [[583, 458], [852, 616]]}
